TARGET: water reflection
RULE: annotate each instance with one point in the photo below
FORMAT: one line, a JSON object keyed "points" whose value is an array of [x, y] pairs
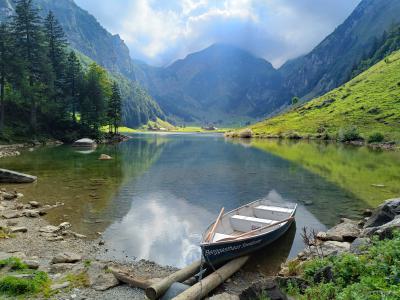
{"points": [[86, 185], [160, 192], [159, 227]]}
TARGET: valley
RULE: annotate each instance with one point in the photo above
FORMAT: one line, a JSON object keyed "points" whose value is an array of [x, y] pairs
{"points": [[125, 126]]}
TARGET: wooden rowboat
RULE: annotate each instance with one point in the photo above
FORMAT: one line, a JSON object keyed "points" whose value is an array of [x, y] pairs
{"points": [[246, 229]]}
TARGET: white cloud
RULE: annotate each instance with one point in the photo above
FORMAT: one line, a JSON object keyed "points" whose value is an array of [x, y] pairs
{"points": [[160, 31]]}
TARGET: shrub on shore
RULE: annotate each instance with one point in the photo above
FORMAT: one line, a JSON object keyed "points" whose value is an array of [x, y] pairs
{"points": [[243, 134], [374, 274], [349, 134], [376, 137], [13, 285]]}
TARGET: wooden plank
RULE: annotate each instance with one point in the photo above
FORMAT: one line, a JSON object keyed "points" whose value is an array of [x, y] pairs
{"points": [[254, 231], [211, 233]]}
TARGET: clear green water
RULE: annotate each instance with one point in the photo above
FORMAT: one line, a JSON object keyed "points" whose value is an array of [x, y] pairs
{"points": [[159, 193]]}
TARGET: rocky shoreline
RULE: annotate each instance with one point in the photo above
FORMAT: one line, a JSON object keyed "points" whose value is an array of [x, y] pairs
{"points": [[75, 264], [248, 134]]}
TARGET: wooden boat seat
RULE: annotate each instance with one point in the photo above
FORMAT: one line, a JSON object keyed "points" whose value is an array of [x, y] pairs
{"points": [[245, 223], [271, 212], [220, 236]]}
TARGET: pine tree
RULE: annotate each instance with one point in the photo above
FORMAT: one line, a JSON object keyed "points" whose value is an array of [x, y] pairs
{"points": [[29, 45], [56, 44], [6, 57], [114, 108], [93, 110], [74, 82]]}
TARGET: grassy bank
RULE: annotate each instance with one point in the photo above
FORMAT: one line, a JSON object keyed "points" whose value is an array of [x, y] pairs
{"points": [[373, 274], [367, 107]]}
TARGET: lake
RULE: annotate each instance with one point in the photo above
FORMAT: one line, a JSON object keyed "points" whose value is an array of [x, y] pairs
{"points": [[160, 191]]}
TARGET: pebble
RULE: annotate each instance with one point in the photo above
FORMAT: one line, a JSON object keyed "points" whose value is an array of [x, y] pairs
{"points": [[34, 204], [18, 229], [32, 264], [49, 229], [66, 257], [11, 215], [31, 213]]}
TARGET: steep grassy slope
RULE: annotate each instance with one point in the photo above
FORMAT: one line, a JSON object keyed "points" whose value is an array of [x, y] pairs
{"points": [[371, 102]]}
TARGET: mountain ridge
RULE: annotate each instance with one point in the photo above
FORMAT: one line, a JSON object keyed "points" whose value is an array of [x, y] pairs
{"points": [[329, 64], [366, 107], [218, 80]]}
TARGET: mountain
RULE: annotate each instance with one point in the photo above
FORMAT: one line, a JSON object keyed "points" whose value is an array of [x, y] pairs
{"points": [[330, 63], [86, 35], [367, 106], [218, 83], [389, 43]]}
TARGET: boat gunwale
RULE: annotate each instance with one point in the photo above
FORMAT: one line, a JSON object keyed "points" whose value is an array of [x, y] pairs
{"points": [[205, 244]]}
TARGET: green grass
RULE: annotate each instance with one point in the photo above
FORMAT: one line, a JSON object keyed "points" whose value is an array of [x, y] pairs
{"points": [[375, 274], [12, 286], [370, 103]]}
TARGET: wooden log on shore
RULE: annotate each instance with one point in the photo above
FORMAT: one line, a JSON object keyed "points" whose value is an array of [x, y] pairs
{"points": [[158, 289], [133, 281], [212, 281]]}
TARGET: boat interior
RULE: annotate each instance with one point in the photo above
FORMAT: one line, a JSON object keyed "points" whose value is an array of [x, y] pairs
{"points": [[250, 217]]}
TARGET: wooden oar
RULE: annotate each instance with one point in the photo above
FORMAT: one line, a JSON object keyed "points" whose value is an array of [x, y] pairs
{"points": [[254, 231], [211, 233]]}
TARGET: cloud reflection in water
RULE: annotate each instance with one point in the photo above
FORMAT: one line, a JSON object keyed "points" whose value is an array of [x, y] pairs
{"points": [[159, 227]]}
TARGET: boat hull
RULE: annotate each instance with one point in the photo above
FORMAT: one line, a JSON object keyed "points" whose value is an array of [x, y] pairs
{"points": [[219, 253]]}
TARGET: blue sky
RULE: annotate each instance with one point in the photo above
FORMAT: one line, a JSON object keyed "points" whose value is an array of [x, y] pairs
{"points": [[161, 31]]}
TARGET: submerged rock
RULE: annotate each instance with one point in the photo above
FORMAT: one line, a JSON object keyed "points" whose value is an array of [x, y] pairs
{"points": [[8, 176], [105, 157]]}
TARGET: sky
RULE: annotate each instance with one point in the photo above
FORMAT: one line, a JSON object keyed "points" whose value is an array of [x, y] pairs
{"points": [[162, 31]]}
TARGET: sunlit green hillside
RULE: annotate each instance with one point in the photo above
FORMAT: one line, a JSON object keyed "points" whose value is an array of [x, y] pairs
{"points": [[371, 102]]}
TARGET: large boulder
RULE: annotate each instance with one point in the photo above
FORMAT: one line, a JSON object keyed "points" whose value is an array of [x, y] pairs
{"points": [[85, 143], [7, 176], [99, 278], [347, 231], [383, 231], [385, 213]]}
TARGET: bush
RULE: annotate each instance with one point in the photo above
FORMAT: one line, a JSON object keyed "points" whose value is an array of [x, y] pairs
{"points": [[13, 286], [373, 275], [13, 263], [349, 134], [376, 137]]}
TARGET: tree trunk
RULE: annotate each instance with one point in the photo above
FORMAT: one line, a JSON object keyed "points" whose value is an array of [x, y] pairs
{"points": [[201, 289], [2, 108], [158, 289], [33, 114]]}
